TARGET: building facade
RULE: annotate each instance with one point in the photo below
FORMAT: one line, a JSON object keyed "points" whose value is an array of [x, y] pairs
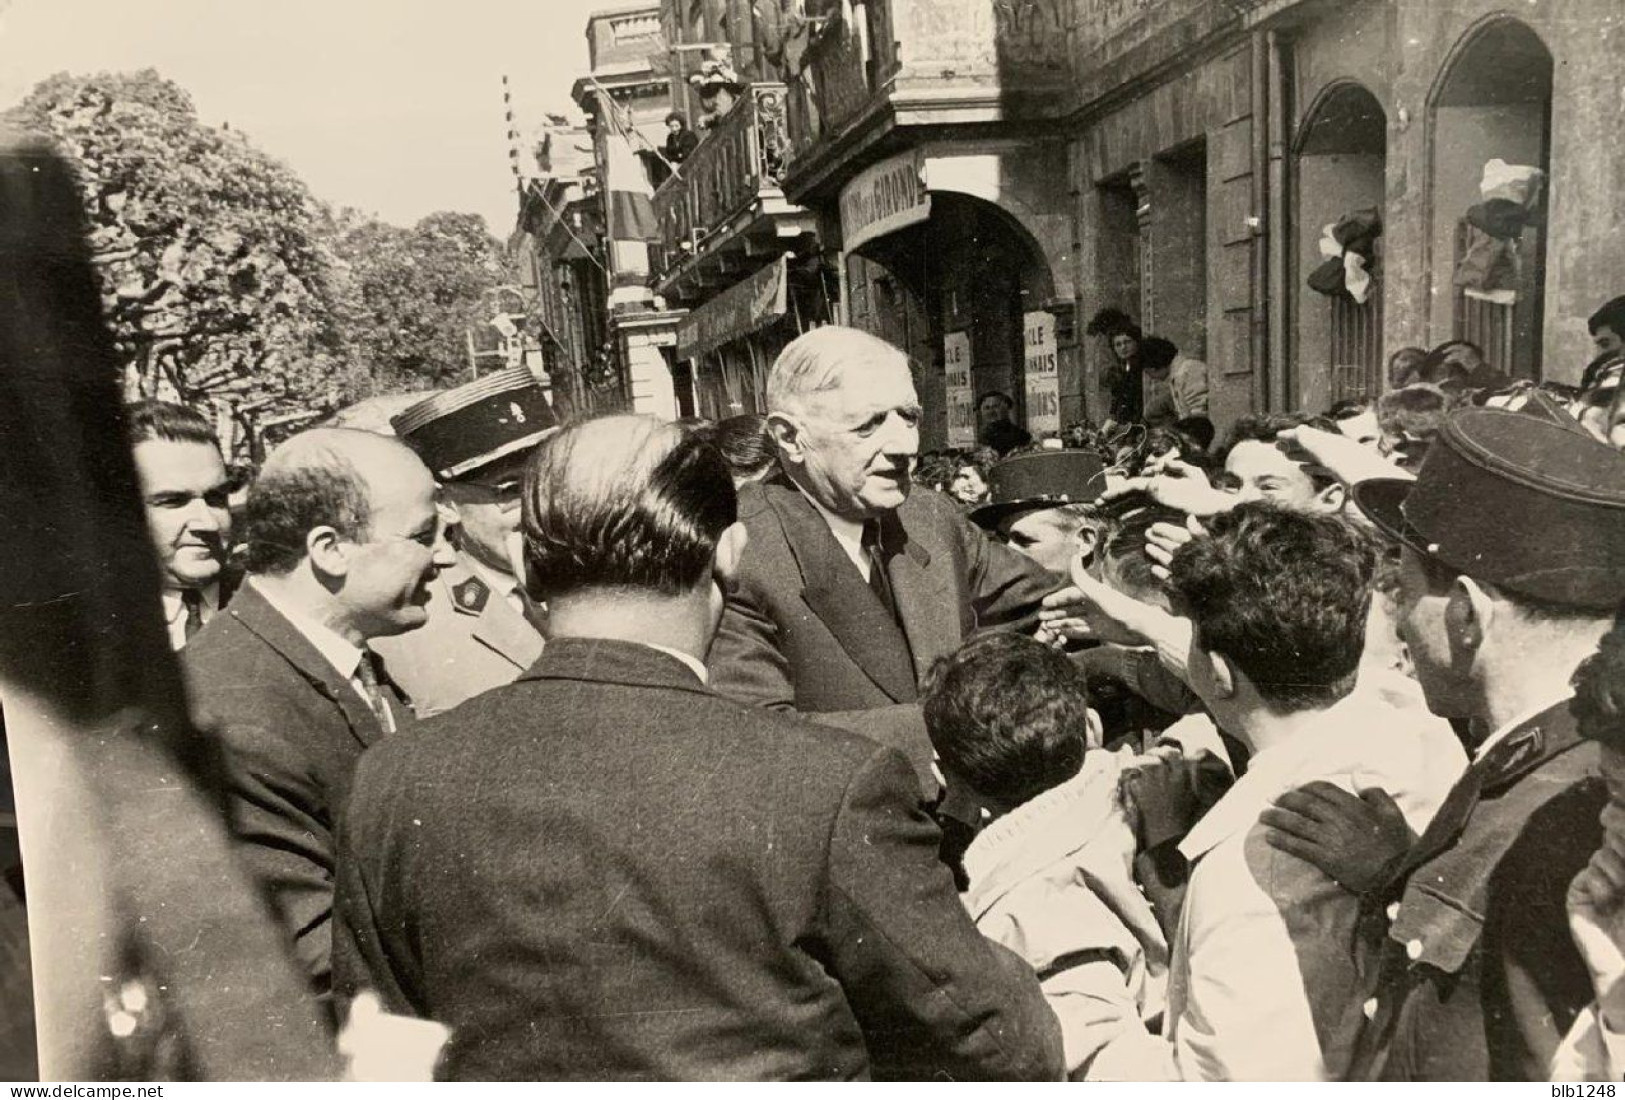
{"points": [[1289, 190]]}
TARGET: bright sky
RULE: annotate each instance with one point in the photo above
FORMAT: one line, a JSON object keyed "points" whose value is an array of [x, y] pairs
{"points": [[393, 106]]}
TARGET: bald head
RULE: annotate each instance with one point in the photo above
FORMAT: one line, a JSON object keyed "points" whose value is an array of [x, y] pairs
{"points": [[828, 360], [326, 477]]}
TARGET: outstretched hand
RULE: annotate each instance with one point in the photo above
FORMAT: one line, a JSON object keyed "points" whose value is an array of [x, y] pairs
{"points": [[1596, 907], [1177, 485], [1356, 840]]}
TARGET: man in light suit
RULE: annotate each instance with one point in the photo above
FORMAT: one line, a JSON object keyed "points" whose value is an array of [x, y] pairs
{"points": [[480, 631], [605, 870], [853, 584], [343, 541]]}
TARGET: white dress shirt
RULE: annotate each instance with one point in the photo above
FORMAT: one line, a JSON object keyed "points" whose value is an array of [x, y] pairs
{"points": [[847, 533], [1262, 963], [344, 655], [695, 665], [175, 611], [1557, 696]]}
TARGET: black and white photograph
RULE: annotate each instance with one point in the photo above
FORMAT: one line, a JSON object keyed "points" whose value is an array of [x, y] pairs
{"points": [[811, 540]]}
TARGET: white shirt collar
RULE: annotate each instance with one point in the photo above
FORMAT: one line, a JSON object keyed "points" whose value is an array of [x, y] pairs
{"points": [[503, 584], [1506, 728], [695, 665], [175, 606], [848, 533], [339, 651]]}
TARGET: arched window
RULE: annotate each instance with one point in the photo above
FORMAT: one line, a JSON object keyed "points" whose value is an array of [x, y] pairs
{"points": [[1492, 102], [1341, 176]]}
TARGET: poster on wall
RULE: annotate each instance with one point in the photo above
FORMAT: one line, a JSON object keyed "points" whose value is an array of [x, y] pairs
{"points": [[1043, 383], [956, 365]]}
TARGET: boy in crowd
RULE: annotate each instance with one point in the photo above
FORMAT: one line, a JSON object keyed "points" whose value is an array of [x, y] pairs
{"points": [[1051, 875], [1264, 982]]}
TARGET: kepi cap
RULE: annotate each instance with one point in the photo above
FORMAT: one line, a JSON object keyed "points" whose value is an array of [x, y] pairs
{"points": [[465, 433], [1517, 501], [1040, 479]]}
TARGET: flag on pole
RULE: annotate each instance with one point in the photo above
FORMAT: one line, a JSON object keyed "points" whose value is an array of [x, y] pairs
{"points": [[629, 197]]}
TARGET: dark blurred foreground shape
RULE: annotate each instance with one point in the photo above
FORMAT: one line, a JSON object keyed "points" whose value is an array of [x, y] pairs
{"points": [[119, 828]]}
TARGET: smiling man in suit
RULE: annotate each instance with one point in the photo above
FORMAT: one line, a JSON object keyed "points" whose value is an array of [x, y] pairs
{"points": [[605, 870], [853, 585], [343, 540]]}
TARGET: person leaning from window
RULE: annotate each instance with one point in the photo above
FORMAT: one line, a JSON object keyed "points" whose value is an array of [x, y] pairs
{"points": [[680, 140]]}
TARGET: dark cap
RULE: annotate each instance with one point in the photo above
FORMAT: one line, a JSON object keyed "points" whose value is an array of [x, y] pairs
{"points": [[1040, 479], [1517, 501], [463, 433]]}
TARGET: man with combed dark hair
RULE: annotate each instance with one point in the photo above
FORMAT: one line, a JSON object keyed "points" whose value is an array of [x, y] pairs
{"points": [[1264, 982], [853, 585], [606, 870], [1049, 876], [343, 539], [184, 486]]}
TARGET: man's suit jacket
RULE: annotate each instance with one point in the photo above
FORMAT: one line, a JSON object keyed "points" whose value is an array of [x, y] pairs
{"points": [[605, 870], [1477, 976], [473, 641], [803, 631], [293, 728]]}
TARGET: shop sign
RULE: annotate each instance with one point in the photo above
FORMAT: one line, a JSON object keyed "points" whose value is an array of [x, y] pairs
{"points": [[884, 198], [956, 362], [743, 308], [1043, 379]]}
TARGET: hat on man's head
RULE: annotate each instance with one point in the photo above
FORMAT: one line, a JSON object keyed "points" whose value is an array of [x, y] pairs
{"points": [[1040, 479], [1517, 501], [465, 433]]}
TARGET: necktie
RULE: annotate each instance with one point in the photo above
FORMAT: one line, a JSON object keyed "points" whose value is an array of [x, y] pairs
{"points": [[878, 582], [192, 601], [367, 673]]}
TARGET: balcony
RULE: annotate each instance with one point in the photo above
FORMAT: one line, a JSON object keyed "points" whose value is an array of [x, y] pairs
{"points": [[724, 213], [923, 63]]}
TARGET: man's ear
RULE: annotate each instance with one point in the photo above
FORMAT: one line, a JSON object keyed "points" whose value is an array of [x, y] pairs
{"points": [[328, 551], [1468, 615], [1224, 675], [730, 549], [785, 431], [1333, 497], [1094, 735]]}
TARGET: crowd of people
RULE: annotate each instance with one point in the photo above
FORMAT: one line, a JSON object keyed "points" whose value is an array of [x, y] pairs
{"points": [[774, 749]]}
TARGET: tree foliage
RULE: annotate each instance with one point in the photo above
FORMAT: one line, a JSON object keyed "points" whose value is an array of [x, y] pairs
{"points": [[417, 294], [216, 273], [223, 277]]}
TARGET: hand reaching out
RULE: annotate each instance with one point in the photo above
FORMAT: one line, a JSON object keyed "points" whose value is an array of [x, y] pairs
{"points": [[1596, 906]]}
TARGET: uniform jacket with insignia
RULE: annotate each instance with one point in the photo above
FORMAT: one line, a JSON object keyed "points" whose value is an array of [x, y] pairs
{"points": [[472, 642], [1477, 976]]}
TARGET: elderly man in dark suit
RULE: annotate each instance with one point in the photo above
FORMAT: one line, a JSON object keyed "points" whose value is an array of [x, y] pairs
{"points": [[343, 539], [606, 870], [853, 585]]}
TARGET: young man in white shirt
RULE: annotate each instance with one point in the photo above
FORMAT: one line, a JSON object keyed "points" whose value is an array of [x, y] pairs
{"points": [[1264, 981]]}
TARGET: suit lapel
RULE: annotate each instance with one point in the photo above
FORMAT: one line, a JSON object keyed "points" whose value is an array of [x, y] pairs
{"points": [[926, 603], [257, 615], [835, 591]]}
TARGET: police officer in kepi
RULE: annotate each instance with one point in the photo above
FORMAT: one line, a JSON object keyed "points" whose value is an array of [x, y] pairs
{"points": [[1512, 562], [482, 629]]}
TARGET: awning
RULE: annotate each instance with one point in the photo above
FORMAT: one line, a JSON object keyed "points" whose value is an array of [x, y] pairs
{"points": [[743, 308]]}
